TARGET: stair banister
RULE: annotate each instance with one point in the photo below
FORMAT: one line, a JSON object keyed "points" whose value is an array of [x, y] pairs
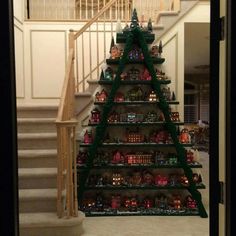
{"points": [[89, 23]]}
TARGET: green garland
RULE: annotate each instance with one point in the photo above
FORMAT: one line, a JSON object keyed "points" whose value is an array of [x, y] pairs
{"points": [[136, 33]]}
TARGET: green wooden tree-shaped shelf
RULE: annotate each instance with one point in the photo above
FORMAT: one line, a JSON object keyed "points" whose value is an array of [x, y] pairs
{"points": [[95, 198]]}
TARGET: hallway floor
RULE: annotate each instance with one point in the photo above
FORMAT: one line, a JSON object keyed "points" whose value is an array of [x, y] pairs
{"points": [[154, 225]]}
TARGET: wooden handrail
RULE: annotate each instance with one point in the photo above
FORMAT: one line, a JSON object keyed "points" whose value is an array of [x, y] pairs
{"points": [[86, 26], [62, 114]]}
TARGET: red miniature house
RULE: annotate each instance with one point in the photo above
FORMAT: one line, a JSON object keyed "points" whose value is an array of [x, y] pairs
{"points": [[146, 75], [102, 96], [184, 136], [115, 52], [88, 137], [95, 116], [118, 158], [119, 97]]}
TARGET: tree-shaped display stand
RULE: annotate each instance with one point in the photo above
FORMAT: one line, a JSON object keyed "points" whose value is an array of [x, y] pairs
{"points": [[116, 175]]}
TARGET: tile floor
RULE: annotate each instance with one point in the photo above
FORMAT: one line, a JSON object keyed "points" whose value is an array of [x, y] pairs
{"points": [[154, 225]]}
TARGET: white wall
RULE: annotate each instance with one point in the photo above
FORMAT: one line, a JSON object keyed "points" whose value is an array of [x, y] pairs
{"points": [[45, 53], [173, 50], [19, 47]]}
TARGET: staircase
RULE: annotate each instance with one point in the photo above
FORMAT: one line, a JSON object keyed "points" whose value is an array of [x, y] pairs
{"points": [[168, 19], [37, 174]]}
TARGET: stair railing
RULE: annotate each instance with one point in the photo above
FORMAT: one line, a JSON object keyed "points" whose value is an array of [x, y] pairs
{"points": [[88, 49], [66, 147], [84, 10]]}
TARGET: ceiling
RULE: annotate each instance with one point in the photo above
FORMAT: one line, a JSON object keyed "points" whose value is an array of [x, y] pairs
{"points": [[197, 48]]}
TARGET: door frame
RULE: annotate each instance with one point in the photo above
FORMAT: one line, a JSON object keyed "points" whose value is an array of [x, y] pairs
{"points": [[230, 196], [214, 119]]}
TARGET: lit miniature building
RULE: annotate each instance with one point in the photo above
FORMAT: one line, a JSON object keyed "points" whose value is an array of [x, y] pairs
{"points": [[160, 137], [197, 178], [184, 136], [108, 74], [160, 158], [184, 180], [124, 76], [136, 53], [166, 93], [160, 75], [147, 203], [113, 117], [173, 180], [161, 180], [174, 116], [99, 203], [154, 51], [134, 137], [190, 202], [131, 117], [117, 179], [161, 201], [115, 202], [136, 178], [118, 158], [119, 97], [172, 159], [176, 202], [95, 116], [102, 96], [147, 178], [88, 137], [152, 97], [189, 156], [146, 75], [82, 157], [88, 204], [151, 116], [138, 158], [115, 52], [139, 117], [135, 94], [134, 74]]}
